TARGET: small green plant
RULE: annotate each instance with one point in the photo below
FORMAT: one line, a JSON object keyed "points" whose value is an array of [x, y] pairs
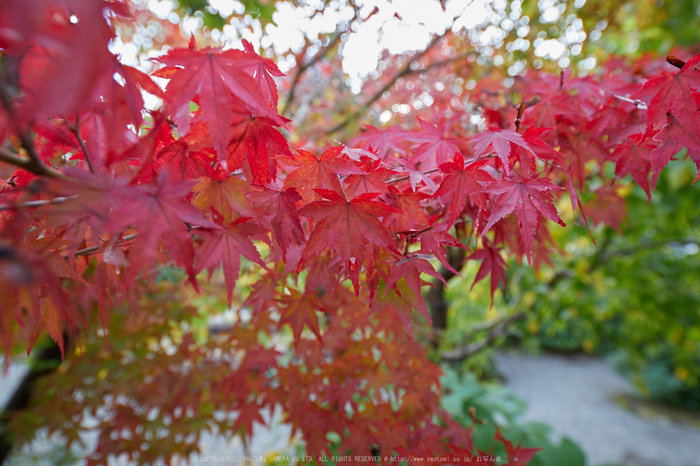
{"points": [[484, 405]]}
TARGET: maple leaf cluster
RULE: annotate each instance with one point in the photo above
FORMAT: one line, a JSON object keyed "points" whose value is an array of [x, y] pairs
{"points": [[101, 192]]}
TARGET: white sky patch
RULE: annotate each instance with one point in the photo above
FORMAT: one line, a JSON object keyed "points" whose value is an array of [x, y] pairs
{"points": [[361, 51], [128, 53], [551, 49], [472, 13], [399, 26], [227, 7], [399, 37], [161, 9]]}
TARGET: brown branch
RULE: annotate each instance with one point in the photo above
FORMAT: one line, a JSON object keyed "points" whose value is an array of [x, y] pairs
{"points": [[75, 130], [97, 249], [34, 164], [401, 178], [300, 71], [122, 242], [26, 205], [497, 329], [13, 158], [435, 297], [606, 256], [43, 363], [405, 70]]}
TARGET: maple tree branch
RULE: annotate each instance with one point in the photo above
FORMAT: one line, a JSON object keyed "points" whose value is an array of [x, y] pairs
{"points": [[13, 158], [312, 61], [34, 164], [636, 102], [606, 256], [401, 178], [97, 249], [31, 164], [25, 205], [42, 363], [75, 130], [497, 329], [122, 242], [435, 296], [406, 69]]}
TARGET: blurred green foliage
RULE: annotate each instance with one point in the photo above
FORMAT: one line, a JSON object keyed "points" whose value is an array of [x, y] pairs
{"points": [[634, 298], [257, 9], [656, 25]]}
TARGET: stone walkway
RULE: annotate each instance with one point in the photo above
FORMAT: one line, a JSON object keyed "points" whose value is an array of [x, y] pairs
{"points": [[575, 396]]}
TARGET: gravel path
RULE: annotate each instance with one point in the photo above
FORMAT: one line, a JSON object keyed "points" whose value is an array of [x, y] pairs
{"points": [[575, 396]]}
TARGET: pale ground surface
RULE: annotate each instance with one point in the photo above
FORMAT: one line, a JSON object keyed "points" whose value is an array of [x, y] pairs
{"points": [[575, 396]]}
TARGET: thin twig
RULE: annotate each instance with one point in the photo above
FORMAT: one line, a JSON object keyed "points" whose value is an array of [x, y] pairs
{"points": [[13, 158], [645, 246], [300, 71], [406, 69], [26, 205], [637, 102], [75, 130], [401, 178], [97, 249], [34, 164], [500, 329]]}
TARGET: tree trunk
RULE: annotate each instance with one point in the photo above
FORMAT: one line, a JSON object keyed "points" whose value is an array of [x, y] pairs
{"points": [[436, 295]]}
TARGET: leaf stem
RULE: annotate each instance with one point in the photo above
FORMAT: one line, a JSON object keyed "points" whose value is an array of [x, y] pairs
{"points": [[75, 129], [401, 178]]}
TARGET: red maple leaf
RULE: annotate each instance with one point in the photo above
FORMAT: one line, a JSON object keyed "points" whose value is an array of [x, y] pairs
{"points": [[184, 158], [372, 181], [399, 298], [247, 415], [410, 268], [318, 173], [492, 263], [227, 196], [158, 211], [607, 207], [212, 73], [674, 137], [672, 93], [254, 139], [264, 69], [517, 456], [299, 310], [279, 205], [226, 244], [133, 82], [434, 143], [382, 141], [539, 149], [501, 141], [345, 225], [460, 183], [412, 215], [634, 157], [62, 59], [527, 198], [434, 240]]}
